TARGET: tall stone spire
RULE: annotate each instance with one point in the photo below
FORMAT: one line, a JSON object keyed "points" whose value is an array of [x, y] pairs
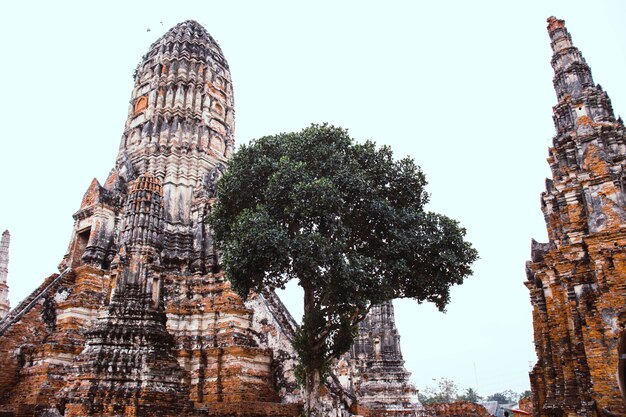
{"points": [[587, 139], [4, 264], [180, 127], [378, 376], [577, 280], [142, 321], [580, 101], [132, 336], [172, 335]]}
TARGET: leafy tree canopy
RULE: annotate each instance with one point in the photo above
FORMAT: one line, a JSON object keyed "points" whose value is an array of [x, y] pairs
{"points": [[470, 395], [446, 391], [504, 397], [345, 220]]}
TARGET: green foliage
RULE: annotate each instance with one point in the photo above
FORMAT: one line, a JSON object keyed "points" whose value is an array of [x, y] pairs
{"points": [[504, 397], [345, 220], [470, 395], [446, 391], [525, 394]]}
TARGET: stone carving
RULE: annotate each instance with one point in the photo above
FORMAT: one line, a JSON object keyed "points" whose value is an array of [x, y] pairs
{"points": [[577, 280], [142, 322], [375, 368]]}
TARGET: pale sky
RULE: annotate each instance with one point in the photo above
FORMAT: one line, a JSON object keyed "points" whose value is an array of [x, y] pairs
{"points": [[463, 87]]}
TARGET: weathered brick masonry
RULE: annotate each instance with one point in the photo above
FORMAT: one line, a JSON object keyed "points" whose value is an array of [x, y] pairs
{"points": [[577, 280], [141, 322]]}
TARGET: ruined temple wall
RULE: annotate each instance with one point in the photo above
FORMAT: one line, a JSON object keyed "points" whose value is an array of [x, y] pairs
{"points": [[578, 328], [455, 409], [142, 321], [556, 339], [577, 279], [274, 327], [44, 334], [604, 322]]}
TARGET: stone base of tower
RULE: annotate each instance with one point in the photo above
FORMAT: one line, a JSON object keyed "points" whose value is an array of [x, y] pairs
{"points": [[385, 386], [215, 366], [33, 363], [577, 280], [250, 409], [127, 368], [363, 411], [228, 373]]}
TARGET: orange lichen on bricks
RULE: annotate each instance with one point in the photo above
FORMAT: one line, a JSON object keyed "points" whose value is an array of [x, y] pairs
{"points": [[554, 23], [110, 181], [91, 195], [142, 322], [141, 104], [577, 280]]}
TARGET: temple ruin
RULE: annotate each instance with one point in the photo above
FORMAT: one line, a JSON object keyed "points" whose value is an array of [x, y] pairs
{"points": [[141, 321], [577, 280]]}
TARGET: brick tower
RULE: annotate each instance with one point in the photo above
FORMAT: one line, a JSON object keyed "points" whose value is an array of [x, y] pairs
{"points": [[141, 322], [180, 128], [128, 366], [378, 376], [4, 270], [577, 280]]}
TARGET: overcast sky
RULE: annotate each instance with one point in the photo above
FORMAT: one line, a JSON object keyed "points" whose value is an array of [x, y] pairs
{"points": [[463, 87]]}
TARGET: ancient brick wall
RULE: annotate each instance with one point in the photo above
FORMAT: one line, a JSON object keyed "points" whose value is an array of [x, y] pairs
{"points": [[577, 280], [43, 335], [456, 409], [142, 322]]}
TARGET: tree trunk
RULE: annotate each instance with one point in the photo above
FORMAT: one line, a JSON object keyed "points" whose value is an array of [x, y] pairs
{"points": [[313, 394], [311, 369]]}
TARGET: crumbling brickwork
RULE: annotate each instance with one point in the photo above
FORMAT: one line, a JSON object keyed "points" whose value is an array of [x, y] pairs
{"points": [[142, 322], [374, 368], [456, 409], [577, 280]]}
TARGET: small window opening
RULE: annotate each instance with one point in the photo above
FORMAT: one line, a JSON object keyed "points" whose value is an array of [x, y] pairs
{"points": [[610, 263], [156, 287], [80, 244], [377, 348], [111, 289], [141, 104]]}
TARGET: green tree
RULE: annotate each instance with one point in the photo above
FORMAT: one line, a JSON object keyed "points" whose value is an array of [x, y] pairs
{"points": [[470, 395], [346, 221], [446, 391], [504, 397], [525, 394]]}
